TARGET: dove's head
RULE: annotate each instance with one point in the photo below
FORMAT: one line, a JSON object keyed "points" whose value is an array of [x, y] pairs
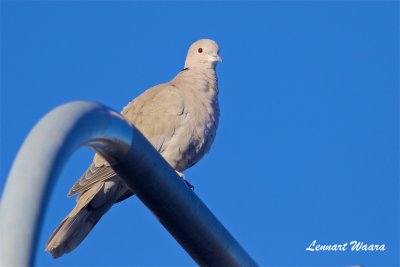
{"points": [[203, 54]]}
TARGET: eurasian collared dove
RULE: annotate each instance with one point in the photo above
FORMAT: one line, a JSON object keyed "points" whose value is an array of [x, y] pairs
{"points": [[179, 118]]}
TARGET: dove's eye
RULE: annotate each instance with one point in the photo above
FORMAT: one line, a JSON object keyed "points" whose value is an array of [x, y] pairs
{"points": [[200, 50]]}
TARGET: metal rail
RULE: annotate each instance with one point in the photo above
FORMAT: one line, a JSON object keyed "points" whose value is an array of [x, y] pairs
{"points": [[51, 143]]}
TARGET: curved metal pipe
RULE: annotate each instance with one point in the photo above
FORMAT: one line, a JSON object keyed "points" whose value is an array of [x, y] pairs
{"points": [[51, 143]]}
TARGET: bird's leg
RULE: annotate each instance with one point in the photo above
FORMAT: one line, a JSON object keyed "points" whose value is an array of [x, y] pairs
{"points": [[186, 181]]}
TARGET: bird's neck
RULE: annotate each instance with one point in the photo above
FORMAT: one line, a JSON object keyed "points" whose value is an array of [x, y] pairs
{"points": [[204, 78]]}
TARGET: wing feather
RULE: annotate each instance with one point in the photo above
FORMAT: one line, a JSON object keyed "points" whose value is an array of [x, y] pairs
{"points": [[157, 113]]}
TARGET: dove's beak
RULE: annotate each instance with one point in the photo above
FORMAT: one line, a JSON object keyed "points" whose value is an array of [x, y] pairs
{"points": [[215, 58]]}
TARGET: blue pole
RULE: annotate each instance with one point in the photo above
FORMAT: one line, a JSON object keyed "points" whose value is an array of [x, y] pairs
{"points": [[53, 140]]}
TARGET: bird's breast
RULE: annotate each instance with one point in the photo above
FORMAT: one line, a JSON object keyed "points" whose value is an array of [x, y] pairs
{"points": [[201, 129], [198, 129]]}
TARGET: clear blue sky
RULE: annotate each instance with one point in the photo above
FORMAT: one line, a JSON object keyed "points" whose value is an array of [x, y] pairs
{"points": [[308, 143]]}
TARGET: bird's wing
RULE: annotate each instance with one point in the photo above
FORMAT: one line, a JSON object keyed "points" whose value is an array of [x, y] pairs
{"points": [[98, 171], [157, 113]]}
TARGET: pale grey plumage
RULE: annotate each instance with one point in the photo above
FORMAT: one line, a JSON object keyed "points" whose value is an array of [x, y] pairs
{"points": [[179, 118]]}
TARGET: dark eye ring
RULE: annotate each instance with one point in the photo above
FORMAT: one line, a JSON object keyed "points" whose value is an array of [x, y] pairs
{"points": [[200, 50]]}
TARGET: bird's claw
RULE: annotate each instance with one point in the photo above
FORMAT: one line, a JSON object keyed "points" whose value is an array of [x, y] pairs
{"points": [[188, 184]]}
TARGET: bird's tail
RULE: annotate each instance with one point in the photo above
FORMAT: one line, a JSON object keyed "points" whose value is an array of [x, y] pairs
{"points": [[90, 207]]}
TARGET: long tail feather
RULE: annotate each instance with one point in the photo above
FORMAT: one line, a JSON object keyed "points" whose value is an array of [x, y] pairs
{"points": [[90, 207]]}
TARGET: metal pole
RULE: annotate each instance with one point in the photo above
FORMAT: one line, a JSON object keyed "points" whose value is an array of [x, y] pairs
{"points": [[155, 183]]}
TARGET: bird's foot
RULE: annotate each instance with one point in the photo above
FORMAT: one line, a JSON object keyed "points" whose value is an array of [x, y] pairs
{"points": [[188, 184]]}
